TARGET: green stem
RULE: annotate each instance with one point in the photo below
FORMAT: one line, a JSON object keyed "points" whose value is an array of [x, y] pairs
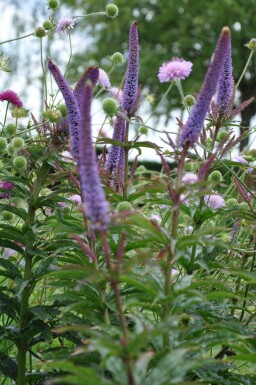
{"points": [[162, 98], [43, 69], [17, 38], [5, 116], [178, 84], [24, 305], [245, 68]]}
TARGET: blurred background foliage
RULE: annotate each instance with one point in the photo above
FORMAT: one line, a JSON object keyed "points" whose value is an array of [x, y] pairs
{"points": [[184, 28]]}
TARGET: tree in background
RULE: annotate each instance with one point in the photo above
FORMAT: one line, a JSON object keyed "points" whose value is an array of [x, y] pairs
{"points": [[184, 28]]}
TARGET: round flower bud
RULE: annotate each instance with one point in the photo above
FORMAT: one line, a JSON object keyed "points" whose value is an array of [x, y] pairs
{"points": [[243, 206], [231, 202], [141, 169], [17, 143], [252, 154], [143, 130], [40, 32], [54, 116], [53, 4], [3, 144], [10, 149], [190, 100], [111, 10], [188, 166], [124, 206], [110, 106], [7, 216], [20, 162], [222, 135], [215, 176], [117, 58], [10, 129], [63, 109], [251, 44], [19, 112], [47, 25]]}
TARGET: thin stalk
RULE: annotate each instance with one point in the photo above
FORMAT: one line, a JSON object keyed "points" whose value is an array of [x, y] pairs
{"points": [[162, 98], [247, 288], [114, 283], [17, 38], [245, 68], [178, 84], [43, 69], [5, 116]]}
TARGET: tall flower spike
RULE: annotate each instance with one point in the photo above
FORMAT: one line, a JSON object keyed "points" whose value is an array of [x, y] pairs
{"points": [[194, 124], [115, 152], [94, 201], [132, 73], [91, 73], [225, 85], [71, 103]]}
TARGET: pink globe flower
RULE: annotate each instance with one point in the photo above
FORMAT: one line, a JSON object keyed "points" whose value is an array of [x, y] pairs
{"points": [[189, 178], [103, 79], [174, 69], [214, 201], [116, 93], [11, 97], [65, 24]]}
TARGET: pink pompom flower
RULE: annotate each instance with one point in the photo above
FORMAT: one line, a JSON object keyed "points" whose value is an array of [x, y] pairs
{"points": [[175, 69], [189, 177], [65, 24], [11, 97], [116, 93], [103, 79], [214, 201]]}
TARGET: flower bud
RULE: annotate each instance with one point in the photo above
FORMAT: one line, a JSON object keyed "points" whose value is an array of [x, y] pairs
{"points": [[251, 44], [54, 116], [243, 206], [231, 202], [190, 100], [143, 130], [124, 206], [40, 32], [10, 129], [117, 58], [20, 162], [17, 143], [19, 112], [110, 106], [53, 4], [252, 154], [47, 25], [10, 149], [63, 109], [215, 176], [111, 10], [3, 144]]}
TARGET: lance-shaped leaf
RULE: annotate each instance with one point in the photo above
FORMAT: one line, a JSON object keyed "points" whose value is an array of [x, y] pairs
{"points": [[194, 124], [71, 103], [94, 201]]}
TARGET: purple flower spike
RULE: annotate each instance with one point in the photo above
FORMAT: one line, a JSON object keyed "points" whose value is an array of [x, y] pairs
{"points": [[225, 85], [11, 97], [132, 74], [93, 196], [115, 160], [194, 124], [71, 103], [91, 73]]}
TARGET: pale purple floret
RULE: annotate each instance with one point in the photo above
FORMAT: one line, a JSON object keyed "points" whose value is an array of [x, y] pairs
{"points": [[132, 73], [93, 196], [214, 201], [71, 104], [92, 73], [11, 97], [104, 79], [225, 85], [175, 69], [115, 160], [6, 186], [194, 124], [189, 178], [65, 24]]}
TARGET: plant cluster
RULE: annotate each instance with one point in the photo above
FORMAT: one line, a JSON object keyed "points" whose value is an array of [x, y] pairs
{"points": [[112, 273]]}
